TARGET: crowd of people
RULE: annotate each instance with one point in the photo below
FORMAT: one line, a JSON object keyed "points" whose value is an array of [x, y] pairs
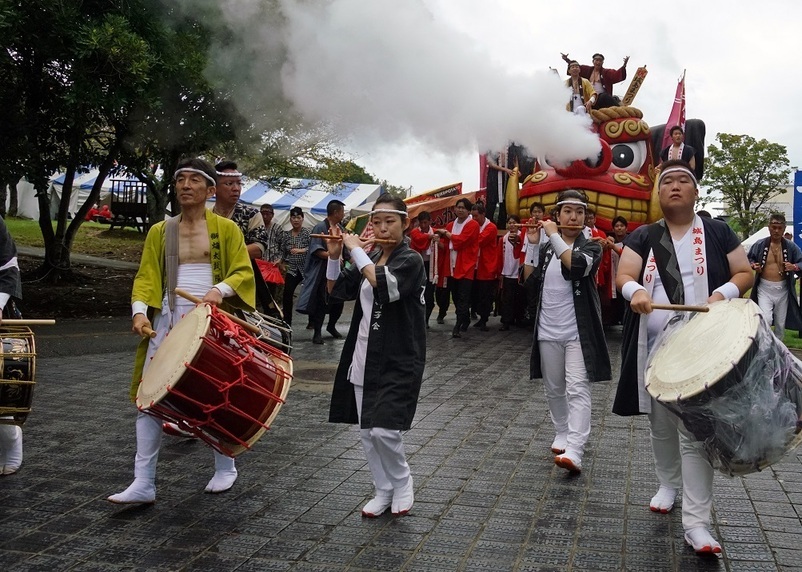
{"points": [[555, 274]]}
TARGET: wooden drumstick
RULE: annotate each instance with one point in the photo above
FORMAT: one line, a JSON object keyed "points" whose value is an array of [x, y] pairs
{"points": [[149, 332], [24, 322], [680, 308], [237, 320]]}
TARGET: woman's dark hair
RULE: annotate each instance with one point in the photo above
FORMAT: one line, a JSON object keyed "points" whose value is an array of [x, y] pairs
{"points": [[393, 202], [296, 211], [620, 219], [570, 194]]}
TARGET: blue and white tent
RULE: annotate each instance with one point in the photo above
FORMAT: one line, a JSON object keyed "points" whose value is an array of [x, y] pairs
{"points": [[310, 195]]}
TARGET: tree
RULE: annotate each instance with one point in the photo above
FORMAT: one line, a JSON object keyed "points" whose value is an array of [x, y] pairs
{"points": [[85, 85], [748, 174]]}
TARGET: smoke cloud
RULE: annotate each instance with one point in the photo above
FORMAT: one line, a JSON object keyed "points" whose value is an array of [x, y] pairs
{"points": [[384, 71]]}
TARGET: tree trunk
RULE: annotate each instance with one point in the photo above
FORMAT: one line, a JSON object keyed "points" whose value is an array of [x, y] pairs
{"points": [[13, 201], [3, 195]]}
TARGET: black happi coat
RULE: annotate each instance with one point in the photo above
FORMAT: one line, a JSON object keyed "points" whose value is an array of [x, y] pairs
{"points": [[587, 307], [396, 352], [721, 240]]}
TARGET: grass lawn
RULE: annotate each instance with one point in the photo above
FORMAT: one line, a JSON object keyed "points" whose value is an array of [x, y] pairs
{"points": [[92, 238]]}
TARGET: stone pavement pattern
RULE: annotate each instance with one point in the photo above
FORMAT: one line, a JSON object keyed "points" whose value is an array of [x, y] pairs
{"points": [[488, 495]]}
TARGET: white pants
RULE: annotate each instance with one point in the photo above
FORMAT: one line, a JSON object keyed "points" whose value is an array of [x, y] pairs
{"points": [[384, 450], [567, 389], [680, 462], [772, 297]]}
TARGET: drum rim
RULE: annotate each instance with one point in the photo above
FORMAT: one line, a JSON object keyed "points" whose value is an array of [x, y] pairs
{"points": [[672, 392], [197, 323]]}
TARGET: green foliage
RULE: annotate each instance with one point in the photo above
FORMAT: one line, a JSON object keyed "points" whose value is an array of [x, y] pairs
{"points": [[748, 174]]}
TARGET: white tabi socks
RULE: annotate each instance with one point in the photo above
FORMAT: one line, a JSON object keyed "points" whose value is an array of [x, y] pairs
{"points": [[664, 500], [378, 505], [10, 449], [225, 473], [148, 441], [403, 498]]}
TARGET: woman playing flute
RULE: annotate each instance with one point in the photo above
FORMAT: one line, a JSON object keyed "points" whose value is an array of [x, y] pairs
{"points": [[569, 349], [381, 367]]}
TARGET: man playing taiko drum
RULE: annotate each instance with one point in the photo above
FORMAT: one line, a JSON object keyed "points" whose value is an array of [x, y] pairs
{"points": [[681, 259], [204, 254]]}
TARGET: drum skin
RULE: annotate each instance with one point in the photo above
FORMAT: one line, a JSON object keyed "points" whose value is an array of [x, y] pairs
{"points": [[735, 386], [17, 373], [214, 379]]}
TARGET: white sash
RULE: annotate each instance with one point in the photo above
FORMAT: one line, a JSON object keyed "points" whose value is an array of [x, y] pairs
{"points": [[700, 290]]}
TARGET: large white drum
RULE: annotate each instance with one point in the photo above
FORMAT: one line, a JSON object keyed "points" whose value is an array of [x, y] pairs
{"points": [[735, 386]]}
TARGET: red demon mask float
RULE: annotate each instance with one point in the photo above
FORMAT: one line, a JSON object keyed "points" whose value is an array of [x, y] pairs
{"points": [[619, 182]]}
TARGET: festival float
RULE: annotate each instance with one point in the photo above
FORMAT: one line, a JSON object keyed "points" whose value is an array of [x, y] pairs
{"points": [[622, 179]]}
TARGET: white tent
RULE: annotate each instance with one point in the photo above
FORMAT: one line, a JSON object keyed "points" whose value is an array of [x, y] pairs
{"points": [[761, 234], [310, 195], [28, 204]]}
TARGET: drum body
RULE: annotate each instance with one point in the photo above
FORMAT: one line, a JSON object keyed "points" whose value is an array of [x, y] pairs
{"points": [[17, 371], [735, 386], [214, 379]]}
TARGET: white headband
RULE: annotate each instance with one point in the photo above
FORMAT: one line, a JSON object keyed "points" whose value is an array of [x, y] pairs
{"points": [[198, 171], [233, 174], [572, 202], [679, 168], [392, 211]]}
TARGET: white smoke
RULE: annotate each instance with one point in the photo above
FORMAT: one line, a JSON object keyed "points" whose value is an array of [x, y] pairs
{"points": [[384, 71]]}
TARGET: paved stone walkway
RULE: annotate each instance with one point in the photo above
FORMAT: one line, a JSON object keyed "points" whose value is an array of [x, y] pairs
{"points": [[488, 495]]}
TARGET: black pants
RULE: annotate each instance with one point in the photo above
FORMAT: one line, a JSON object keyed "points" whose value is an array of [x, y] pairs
{"points": [[442, 296], [512, 301], [324, 306], [461, 296], [482, 294], [291, 282], [428, 292]]}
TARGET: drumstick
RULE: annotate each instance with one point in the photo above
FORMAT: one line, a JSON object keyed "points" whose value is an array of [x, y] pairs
{"points": [[680, 308], [149, 332], [338, 237], [24, 322], [250, 327]]}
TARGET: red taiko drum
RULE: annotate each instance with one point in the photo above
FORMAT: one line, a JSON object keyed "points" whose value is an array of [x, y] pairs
{"points": [[214, 379]]}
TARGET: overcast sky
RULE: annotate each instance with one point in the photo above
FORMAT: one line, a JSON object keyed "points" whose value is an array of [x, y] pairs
{"points": [[741, 61]]}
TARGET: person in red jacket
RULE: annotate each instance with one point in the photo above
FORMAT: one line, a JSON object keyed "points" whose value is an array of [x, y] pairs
{"points": [[602, 79], [484, 286], [442, 295], [420, 240], [463, 251]]}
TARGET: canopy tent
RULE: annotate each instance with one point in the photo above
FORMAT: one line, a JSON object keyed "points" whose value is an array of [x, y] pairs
{"points": [[310, 195], [81, 188], [763, 233]]}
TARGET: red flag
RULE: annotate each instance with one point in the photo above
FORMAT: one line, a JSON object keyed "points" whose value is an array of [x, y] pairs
{"points": [[677, 116]]}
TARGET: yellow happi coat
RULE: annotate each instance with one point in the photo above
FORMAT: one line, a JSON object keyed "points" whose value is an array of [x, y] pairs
{"points": [[230, 264]]}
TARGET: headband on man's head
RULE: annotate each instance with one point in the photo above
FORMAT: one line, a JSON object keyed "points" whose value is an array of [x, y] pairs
{"points": [[231, 174], [677, 168], [205, 175]]}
